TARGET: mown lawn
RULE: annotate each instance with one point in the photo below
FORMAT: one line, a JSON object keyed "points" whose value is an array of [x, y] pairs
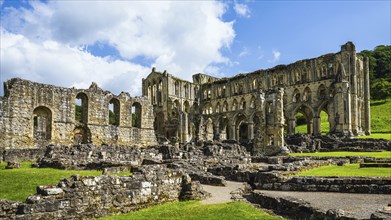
{"points": [[347, 170], [18, 184], [386, 136], [381, 117], [194, 210], [382, 154]]}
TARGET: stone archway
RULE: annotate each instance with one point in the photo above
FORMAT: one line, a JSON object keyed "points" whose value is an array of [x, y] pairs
{"points": [[42, 124], [308, 115], [241, 130]]}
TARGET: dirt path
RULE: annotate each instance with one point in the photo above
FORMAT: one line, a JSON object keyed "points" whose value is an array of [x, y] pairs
{"points": [[221, 194]]}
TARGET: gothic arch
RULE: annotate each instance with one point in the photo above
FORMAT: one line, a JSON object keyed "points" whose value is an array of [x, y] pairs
{"points": [[81, 108], [42, 123], [241, 127], [307, 95], [136, 115], [218, 108], [235, 105], [114, 111]]}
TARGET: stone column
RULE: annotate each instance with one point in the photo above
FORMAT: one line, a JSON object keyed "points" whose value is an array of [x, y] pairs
{"points": [[291, 126], [317, 125], [250, 131], [233, 132], [353, 90], [310, 126], [185, 126], [367, 106]]}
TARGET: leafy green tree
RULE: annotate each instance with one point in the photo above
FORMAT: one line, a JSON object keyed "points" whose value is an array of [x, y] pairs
{"points": [[381, 89]]}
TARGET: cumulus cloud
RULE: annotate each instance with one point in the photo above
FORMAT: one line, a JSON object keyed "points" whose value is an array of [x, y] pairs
{"points": [[51, 62], [46, 42], [242, 10]]}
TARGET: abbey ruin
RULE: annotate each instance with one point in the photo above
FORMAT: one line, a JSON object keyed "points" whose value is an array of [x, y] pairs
{"points": [[256, 108]]}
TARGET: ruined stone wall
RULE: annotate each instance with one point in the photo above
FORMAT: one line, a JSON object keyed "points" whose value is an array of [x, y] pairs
{"points": [[81, 197], [34, 115], [336, 83]]}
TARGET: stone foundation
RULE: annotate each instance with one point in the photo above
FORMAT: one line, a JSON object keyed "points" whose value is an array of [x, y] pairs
{"points": [[82, 197]]}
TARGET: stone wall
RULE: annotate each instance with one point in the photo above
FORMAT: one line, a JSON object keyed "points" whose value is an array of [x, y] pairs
{"points": [[329, 184], [18, 155], [254, 107], [34, 115], [82, 197], [310, 143]]}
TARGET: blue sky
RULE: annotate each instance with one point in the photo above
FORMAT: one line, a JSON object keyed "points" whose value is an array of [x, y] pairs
{"points": [[72, 43]]}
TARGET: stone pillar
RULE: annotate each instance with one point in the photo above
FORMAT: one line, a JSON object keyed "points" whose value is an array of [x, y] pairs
{"points": [[250, 130], [233, 132], [367, 96], [185, 125], [316, 129], [342, 102], [291, 126], [310, 126], [353, 95]]}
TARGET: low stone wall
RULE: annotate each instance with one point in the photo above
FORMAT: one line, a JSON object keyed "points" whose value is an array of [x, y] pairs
{"points": [[328, 184], [18, 155], [90, 197], [294, 208], [310, 143]]}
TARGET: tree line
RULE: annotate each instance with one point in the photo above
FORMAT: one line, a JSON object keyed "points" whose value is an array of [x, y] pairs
{"points": [[379, 71]]}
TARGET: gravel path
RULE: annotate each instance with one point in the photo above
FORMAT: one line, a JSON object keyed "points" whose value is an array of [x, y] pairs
{"points": [[360, 206], [221, 194]]}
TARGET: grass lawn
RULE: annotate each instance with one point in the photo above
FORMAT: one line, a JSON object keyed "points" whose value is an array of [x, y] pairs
{"points": [[381, 117], [18, 184], [386, 136], [347, 170], [382, 154], [195, 210]]}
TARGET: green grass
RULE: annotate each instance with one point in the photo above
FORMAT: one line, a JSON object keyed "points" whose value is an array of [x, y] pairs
{"points": [[18, 184], [386, 136], [381, 117], [195, 210], [382, 154], [347, 170]]}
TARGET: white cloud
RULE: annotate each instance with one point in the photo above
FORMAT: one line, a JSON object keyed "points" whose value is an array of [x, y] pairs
{"points": [[244, 52], [182, 37], [276, 56], [51, 62], [242, 10]]}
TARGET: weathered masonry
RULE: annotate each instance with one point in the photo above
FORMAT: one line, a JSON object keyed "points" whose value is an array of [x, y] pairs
{"points": [[257, 106], [34, 115], [253, 108]]}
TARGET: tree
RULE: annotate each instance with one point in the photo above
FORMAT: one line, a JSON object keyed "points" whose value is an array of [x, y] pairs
{"points": [[381, 89]]}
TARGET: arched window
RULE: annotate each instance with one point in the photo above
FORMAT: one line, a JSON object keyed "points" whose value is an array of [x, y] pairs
{"points": [[136, 115], [114, 111], [307, 95], [235, 105], [242, 104], [217, 108], [296, 96], [81, 108], [42, 117], [252, 102], [225, 106]]}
